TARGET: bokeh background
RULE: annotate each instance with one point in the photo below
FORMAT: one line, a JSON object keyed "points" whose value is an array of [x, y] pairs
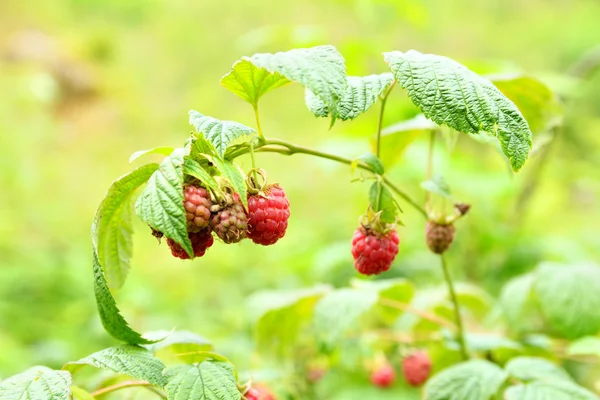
{"points": [[85, 83]]}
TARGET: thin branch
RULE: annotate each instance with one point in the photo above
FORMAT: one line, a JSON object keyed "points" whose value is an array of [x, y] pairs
{"points": [[461, 333], [380, 121], [421, 313], [125, 385], [429, 172]]}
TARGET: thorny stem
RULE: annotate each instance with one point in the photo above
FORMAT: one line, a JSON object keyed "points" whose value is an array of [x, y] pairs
{"points": [[286, 148], [380, 122], [461, 333], [125, 385]]}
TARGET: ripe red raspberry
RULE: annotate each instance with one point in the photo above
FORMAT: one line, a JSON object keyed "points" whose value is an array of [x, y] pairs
{"points": [[259, 393], [231, 222], [315, 374], [201, 241], [383, 376], [268, 215], [416, 368], [196, 201], [439, 237], [374, 252], [252, 394]]}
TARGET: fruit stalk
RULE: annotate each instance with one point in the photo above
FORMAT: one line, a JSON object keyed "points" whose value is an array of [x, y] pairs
{"points": [[380, 122], [460, 334]]}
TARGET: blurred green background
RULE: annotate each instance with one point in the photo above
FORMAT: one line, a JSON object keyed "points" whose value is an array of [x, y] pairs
{"points": [[85, 83]]}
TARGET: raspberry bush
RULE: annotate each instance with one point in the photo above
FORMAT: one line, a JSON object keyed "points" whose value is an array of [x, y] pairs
{"points": [[200, 190]]}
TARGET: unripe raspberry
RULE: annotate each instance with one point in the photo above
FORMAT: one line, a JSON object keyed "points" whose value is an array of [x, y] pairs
{"points": [[439, 237], [416, 368], [196, 201], [383, 376], [374, 252], [268, 216], [201, 241], [231, 222]]}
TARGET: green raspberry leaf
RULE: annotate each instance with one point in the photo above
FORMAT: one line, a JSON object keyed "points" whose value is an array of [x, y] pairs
{"points": [[538, 103], [218, 133], [390, 291], [397, 137], [134, 361], [371, 160], [534, 368], [214, 380], [338, 311], [179, 345], [168, 338], [37, 383], [197, 145], [112, 227], [569, 298], [81, 394], [383, 200], [161, 203], [549, 390], [471, 380], [360, 94], [193, 168], [235, 176], [321, 69], [517, 303], [111, 245], [251, 82], [279, 315], [438, 186], [164, 150], [110, 316], [589, 345], [450, 94]]}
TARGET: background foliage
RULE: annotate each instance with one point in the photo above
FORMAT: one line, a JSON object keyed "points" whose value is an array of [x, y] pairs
{"points": [[85, 83]]}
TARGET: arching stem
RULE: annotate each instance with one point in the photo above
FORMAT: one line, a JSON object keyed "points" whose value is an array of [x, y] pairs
{"points": [[286, 148]]}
